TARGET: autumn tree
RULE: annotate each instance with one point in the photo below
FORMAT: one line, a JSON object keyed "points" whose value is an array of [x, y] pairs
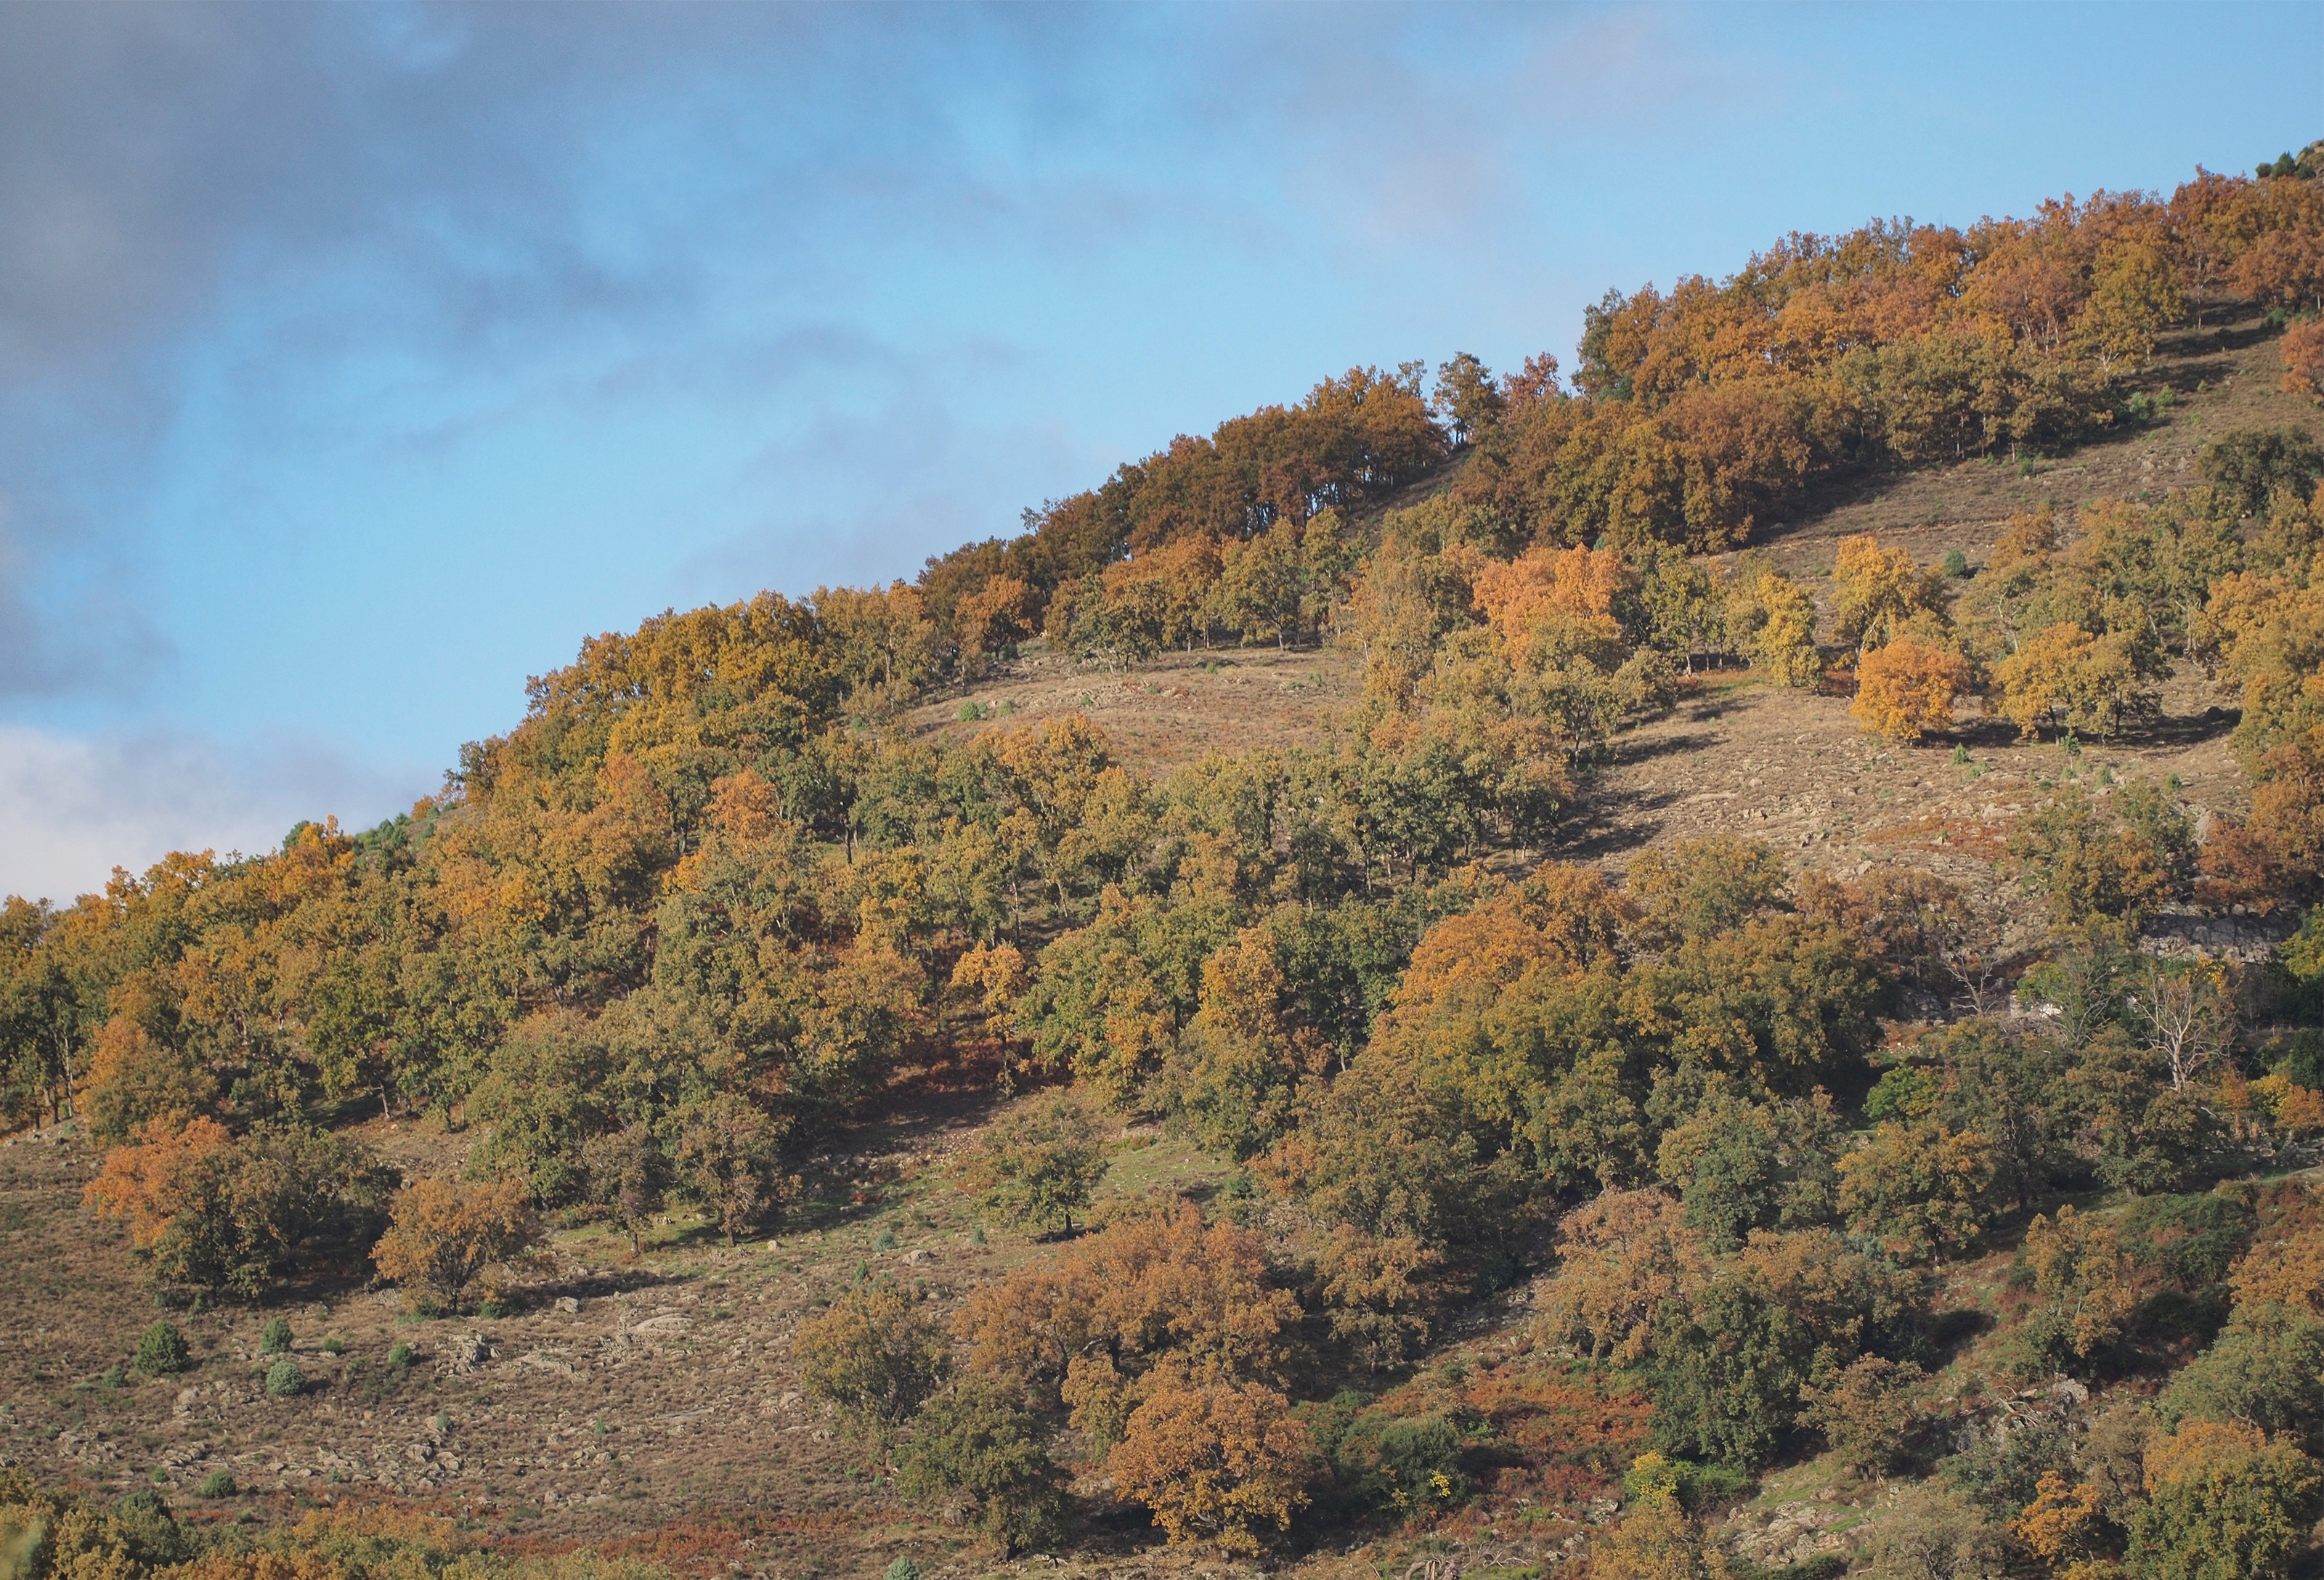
{"points": [[2068, 678], [1657, 1540], [1775, 619], [1906, 689], [442, 1235], [2303, 350], [1866, 1411], [1878, 591], [1620, 1258], [1375, 1292], [2082, 1290], [239, 1213], [1214, 1460]]}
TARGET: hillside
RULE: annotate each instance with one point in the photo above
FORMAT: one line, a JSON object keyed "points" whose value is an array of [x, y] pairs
{"points": [[1704, 968]]}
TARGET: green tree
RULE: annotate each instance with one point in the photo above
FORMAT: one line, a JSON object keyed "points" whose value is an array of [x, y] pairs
{"points": [[1040, 1162], [727, 1150], [2265, 1370], [1919, 1188], [629, 1175], [1727, 1370], [977, 1451], [2224, 1502], [875, 1357]]}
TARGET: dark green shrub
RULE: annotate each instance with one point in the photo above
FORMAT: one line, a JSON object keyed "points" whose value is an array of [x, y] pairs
{"points": [[1410, 1465], [150, 1531], [218, 1484], [398, 1357], [285, 1379], [161, 1349], [976, 1449], [275, 1338]]}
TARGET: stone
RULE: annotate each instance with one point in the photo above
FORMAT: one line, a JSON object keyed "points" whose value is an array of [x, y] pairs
{"points": [[468, 1351], [567, 1304]]}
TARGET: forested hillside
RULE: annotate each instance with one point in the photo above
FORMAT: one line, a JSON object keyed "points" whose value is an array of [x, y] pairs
{"points": [[1350, 1153]]}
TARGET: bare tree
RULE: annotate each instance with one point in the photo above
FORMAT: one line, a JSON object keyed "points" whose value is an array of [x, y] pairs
{"points": [[2189, 1022]]}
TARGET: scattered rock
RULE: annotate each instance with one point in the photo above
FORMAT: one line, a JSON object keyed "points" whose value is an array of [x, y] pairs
{"points": [[467, 1352], [567, 1304]]}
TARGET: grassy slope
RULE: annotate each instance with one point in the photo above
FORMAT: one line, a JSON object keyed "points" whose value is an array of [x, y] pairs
{"points": [[709, 1456]]}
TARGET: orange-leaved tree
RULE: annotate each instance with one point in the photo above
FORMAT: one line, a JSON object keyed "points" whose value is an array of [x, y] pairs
{"points": [[2302, 349], [1553, 602], [1906, 689], [1213, 1458], [442, 1235]]}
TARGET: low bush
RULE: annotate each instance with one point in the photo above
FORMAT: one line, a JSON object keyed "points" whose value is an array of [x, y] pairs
{"points": [[161, 1349]]}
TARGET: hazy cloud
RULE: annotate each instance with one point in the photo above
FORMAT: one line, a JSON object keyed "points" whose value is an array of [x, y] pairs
{"points": [[71, 808]]}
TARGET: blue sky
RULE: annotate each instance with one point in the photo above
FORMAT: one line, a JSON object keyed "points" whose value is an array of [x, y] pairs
{"points": [[356, 361]]}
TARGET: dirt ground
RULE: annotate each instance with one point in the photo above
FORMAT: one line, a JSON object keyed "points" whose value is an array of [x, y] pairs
{"points": [[1174, 709]]}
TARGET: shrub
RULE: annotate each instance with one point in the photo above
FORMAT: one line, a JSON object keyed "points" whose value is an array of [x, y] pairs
{"points": [[398, 1357], [218, 1484], [161, 1349], [442, 1235], [1407, 1464], [1655, 1541], [979, 1451], [275, 1338], [284, 1379], [333, 1344]]}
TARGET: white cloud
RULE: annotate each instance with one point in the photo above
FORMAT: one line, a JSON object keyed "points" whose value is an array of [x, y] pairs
{"points": [[72, 809]]}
